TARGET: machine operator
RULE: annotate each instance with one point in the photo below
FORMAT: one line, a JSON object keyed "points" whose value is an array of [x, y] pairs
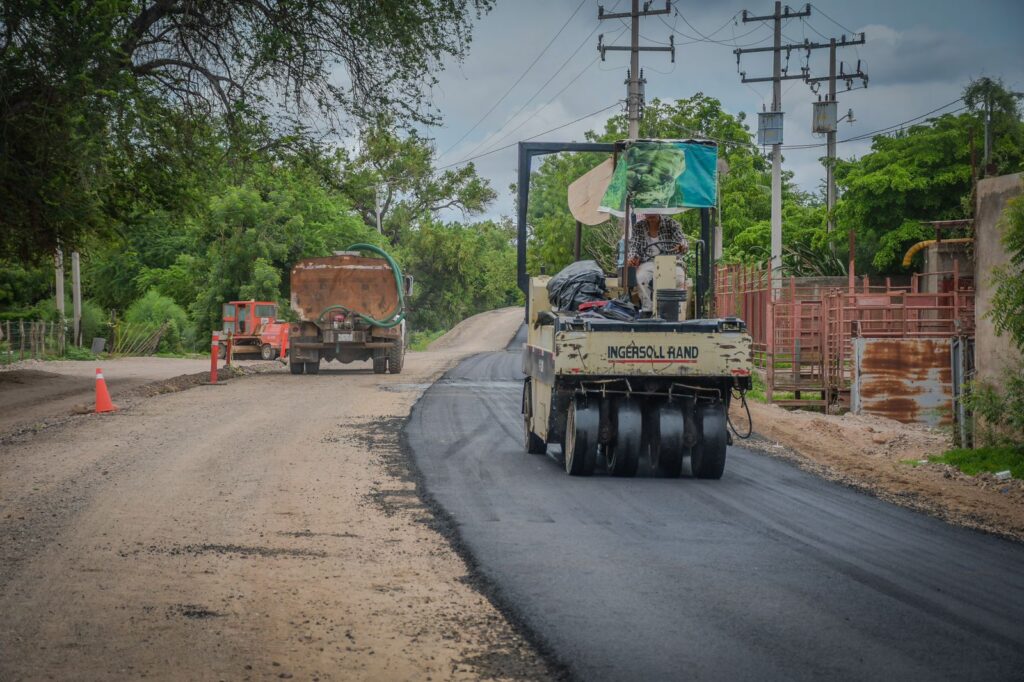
{"points": [[655, 235]]}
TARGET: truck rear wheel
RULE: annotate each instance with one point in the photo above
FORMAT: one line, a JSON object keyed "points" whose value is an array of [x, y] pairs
{"points": [[313, 366], [580, 444], [535, 445], [396, 357], [623, 457], [295, 367], [267, 351], [380, 360], [708, 459]]}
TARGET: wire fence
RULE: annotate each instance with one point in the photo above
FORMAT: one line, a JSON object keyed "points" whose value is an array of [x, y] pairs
{"points": [[42, 340]]}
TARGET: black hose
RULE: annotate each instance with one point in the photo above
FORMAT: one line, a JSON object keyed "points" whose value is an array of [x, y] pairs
{"points": [[750, 420]]}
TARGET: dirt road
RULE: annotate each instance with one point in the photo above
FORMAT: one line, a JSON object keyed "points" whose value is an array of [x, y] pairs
{"points": [[34, 392], [263, 529]]}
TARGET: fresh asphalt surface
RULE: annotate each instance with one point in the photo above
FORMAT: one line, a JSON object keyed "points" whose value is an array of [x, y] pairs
{"points": [[770, 573]]}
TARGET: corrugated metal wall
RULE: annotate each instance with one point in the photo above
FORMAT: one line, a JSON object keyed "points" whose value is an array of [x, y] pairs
{"points": [[909, 380]]}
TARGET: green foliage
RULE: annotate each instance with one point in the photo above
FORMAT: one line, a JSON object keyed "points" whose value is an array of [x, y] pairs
{"points": [[1000, 409], [95, 321], [459, 270], [22, 285], [924, 173], [397, 173], [1007, 310], [991, 458], [153, 311], [419, 340], [101, 99], [919, 174], [76, 353]]}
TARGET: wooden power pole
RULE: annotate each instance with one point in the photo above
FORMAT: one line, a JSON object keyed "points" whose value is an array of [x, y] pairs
{"points": [[779, 75], [634, 77]]}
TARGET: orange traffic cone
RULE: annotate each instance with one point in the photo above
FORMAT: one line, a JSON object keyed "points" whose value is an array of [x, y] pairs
{"points": [[103, 402]]}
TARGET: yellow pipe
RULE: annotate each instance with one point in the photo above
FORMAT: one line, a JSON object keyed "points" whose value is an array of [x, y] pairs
{"points": [[928, 242]]}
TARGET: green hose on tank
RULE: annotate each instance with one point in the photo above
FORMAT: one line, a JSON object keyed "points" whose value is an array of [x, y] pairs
{"points": [[398, 315]]}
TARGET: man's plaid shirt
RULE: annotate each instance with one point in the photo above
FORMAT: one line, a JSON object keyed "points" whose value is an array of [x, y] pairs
{"points": [[669, 231]]}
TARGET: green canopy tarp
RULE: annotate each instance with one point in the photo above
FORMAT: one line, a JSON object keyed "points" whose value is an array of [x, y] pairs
{"points": [[663, 176]]}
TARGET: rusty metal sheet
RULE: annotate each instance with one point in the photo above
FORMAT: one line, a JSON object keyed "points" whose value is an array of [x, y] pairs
{"points": [[364, 285], [909, 380]]}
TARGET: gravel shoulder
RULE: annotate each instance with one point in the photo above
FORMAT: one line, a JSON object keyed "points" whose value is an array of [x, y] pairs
{"points": [[266, 528], [34, 392], [888, 459]]}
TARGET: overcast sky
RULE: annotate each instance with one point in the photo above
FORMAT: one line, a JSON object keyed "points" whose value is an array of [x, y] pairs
{"points": [[919, 55]]}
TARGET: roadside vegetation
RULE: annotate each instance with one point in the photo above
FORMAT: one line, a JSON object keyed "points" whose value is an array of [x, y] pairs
{"points": [[990, 458], [420, 340]]}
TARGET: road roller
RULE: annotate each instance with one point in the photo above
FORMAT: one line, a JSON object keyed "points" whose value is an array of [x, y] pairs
{"points": [[618, 389]]}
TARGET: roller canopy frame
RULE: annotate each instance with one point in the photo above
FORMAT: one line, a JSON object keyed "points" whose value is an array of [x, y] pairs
{"points": [[528, 150]]}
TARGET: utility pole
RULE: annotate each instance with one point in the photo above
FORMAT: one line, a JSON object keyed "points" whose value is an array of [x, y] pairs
{"points": [[778, 75], [831, 124], [58, 262], [376, 207], [634, 77], [76, 296]]}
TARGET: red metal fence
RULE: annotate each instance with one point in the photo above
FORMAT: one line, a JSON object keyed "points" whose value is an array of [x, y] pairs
{"points": [[802, 339]]}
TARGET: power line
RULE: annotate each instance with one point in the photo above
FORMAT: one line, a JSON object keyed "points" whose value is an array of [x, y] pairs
{"points": [[707, 39], [822, 12], [518, 80], [887, 130], [532, 137], [522, 107], [546, 104]]}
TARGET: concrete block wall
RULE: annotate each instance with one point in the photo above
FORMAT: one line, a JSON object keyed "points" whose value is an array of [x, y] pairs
{"points": [[994, 355]]}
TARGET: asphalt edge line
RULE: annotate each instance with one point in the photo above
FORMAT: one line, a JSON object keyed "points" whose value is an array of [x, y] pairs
{"points": [[915, 503], [444, 524]]}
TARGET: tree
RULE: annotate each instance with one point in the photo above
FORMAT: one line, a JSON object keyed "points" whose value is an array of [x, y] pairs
{"points": [[916, 175], [397, 173], [459, 270], [999, 116], [80, 78], [1008, 302]]}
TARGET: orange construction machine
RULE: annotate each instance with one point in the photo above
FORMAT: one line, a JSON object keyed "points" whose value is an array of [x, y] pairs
{"points": [[254, 329]]}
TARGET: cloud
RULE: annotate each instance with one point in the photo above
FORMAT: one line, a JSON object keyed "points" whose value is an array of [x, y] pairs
{"points": [[919, 54], [917, 60]]}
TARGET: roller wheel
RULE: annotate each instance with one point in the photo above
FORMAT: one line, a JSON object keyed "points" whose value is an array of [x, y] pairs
{"points": [[296, 367], [709, 455], [396, 357], [535, 445], [580, 444], [666, 446], [623, 457], [380, 360], [313, 367], [267, 352]]}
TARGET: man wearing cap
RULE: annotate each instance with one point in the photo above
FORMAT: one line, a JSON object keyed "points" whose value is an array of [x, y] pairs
{"points": [[644, 245]]}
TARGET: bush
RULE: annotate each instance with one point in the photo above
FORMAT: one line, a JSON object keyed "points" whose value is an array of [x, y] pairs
{"points": [[154, 310], [1000, 410], [420, 340], [94, 318]]}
